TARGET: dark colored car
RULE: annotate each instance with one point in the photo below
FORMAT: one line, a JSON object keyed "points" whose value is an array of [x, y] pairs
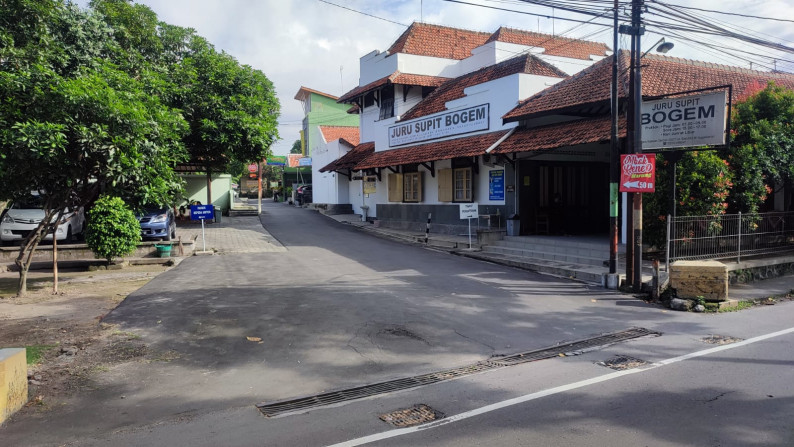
{"points": [[158, 223], [304, 194]]}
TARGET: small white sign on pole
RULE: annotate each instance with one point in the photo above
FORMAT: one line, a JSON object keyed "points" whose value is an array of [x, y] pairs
{"points": [[469, 211]]}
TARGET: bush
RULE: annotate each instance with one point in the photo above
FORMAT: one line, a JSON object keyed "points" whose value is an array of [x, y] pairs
{"points": [[112, 229]]}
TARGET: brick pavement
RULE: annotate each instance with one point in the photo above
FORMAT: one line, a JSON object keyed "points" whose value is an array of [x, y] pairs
{"points": [[240, 234]]}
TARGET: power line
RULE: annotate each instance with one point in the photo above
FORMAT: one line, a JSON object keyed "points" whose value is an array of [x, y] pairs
{"points": [[362, 13], [522, 12], [723, 12]]}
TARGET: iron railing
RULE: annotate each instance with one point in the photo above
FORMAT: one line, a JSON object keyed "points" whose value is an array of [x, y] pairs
{"points": [[729, 236]]}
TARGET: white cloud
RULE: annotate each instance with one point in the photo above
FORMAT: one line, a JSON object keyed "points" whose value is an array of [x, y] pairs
{"points": [[305, 42]]}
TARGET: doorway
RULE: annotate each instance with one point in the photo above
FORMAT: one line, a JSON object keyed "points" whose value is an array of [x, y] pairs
{"points": [[563, 198]]}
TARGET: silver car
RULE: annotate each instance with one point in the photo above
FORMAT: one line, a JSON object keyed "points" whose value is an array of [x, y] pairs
{"points": [[23, 217]]}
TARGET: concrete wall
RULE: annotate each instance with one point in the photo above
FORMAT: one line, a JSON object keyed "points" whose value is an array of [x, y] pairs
{"points": [[445, 218], [196, 189], [76, 252], [13, 381], [693, 279], [329, 187]]}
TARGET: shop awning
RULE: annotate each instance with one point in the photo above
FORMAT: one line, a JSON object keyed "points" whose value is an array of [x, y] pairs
{"points": [[350, 159], [569, 133], [437, 150]]}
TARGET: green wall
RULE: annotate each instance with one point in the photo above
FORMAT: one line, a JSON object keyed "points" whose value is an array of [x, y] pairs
{"points": [[196, 189], [326, 112]]}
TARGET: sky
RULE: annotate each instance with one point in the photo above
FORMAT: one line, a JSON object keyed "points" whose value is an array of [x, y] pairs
{"points": [[318, 45]]}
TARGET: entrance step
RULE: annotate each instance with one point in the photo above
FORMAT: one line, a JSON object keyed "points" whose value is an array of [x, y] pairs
{"points": [[580, 251], [582, 272]]}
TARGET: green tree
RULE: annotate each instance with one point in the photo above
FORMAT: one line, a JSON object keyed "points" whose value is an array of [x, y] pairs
{"points": [[296, 147], [762, 153], [112, 230], [703, 182], [231, 109], [73, 122]]}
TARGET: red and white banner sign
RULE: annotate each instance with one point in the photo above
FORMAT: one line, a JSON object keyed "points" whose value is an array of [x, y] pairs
{"points": [[637, 173]]}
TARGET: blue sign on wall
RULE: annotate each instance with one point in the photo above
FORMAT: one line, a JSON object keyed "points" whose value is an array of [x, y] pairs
{"points": [[496, 185], [201, 212]]}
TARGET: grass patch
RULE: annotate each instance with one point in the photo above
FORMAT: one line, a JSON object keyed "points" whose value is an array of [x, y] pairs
{"points": [[36, 352], [742, 305]]}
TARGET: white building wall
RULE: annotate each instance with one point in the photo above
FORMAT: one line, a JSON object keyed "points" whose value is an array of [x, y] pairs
{"points": [[329, 187], [374, 66], [502, 94]]}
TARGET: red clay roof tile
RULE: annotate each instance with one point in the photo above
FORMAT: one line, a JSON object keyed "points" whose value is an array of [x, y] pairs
{"points": [[660, 75], [552, 45], [438, 41], [350, 159], [454, 88], [394, 78], [439, 150], [347, 133], [570, 133]]}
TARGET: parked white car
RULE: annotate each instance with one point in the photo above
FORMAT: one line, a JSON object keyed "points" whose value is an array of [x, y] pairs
{"points": [[19, 219]]}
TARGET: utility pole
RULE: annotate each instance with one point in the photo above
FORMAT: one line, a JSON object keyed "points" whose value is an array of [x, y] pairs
{"points": [[637, 28], [614, 158]]}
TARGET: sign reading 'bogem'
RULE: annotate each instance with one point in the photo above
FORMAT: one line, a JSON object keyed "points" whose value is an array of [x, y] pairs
{"points": [[440, 125], [689, 121]]}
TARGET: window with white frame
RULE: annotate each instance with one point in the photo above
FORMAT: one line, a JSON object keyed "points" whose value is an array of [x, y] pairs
{"points": [[462, 178], [412, 185]]}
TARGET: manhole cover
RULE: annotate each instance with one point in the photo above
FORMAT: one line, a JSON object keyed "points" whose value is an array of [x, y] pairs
{"points": [[720, 340], [622, 362], [419, 414]]}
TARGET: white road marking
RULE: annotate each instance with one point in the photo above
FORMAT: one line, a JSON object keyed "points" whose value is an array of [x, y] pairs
{"points": [[552, 391]]}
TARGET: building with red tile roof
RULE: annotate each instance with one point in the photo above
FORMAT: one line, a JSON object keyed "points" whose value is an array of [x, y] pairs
{"points": [[348, 134]]}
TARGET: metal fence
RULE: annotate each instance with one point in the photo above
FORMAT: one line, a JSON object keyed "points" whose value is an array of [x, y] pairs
{"points": [[729, 236]]}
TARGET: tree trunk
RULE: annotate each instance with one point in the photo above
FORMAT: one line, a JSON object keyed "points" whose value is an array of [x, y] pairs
{"points": [[209, 186], [26, 250], [54, 264]]}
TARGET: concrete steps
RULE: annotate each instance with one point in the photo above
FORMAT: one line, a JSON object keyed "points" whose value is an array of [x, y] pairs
{"points": [[558, 249]]}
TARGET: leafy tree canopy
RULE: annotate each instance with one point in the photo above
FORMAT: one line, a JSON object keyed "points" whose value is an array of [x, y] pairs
{"points": [[763, 146], [296, 147], [109, 100]]}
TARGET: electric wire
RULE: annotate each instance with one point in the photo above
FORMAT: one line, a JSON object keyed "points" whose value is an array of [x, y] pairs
{"points": [[714, 11]]}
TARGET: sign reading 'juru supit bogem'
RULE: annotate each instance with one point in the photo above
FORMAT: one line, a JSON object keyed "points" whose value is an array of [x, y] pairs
{"points": [[688, 121], [440, 125]]}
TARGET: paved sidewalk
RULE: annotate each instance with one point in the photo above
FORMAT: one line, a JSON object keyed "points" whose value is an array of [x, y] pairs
{"points": [[447, 241], [774, 287], [241, 234]]}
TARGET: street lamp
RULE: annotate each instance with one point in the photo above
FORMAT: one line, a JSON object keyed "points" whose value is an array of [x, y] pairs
{"points": [[662, 46]]}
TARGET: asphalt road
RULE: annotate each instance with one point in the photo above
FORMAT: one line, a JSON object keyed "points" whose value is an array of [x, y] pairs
{"points": [[341, 308]]}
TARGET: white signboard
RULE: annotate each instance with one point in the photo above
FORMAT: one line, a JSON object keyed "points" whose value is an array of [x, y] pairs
{"points": [[440, 125], [469, 210], [689, 121]]}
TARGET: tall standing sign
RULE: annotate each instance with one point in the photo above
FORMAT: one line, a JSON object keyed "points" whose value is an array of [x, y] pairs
{"points": [[469, 211], [686, 121], [202, 213]]}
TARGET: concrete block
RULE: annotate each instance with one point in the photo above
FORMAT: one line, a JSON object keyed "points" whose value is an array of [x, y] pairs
{"points": [[693, 279], [13, 381]]}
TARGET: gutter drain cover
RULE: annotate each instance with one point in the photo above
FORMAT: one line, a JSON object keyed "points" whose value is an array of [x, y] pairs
{"points": [[301, 404], [623, 362], [409, 417], [720, 340]]}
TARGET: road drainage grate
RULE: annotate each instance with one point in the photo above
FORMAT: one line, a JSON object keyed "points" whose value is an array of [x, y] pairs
{"points": [[720, 340], [419, 414], [336, 397], [623, 362]]}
